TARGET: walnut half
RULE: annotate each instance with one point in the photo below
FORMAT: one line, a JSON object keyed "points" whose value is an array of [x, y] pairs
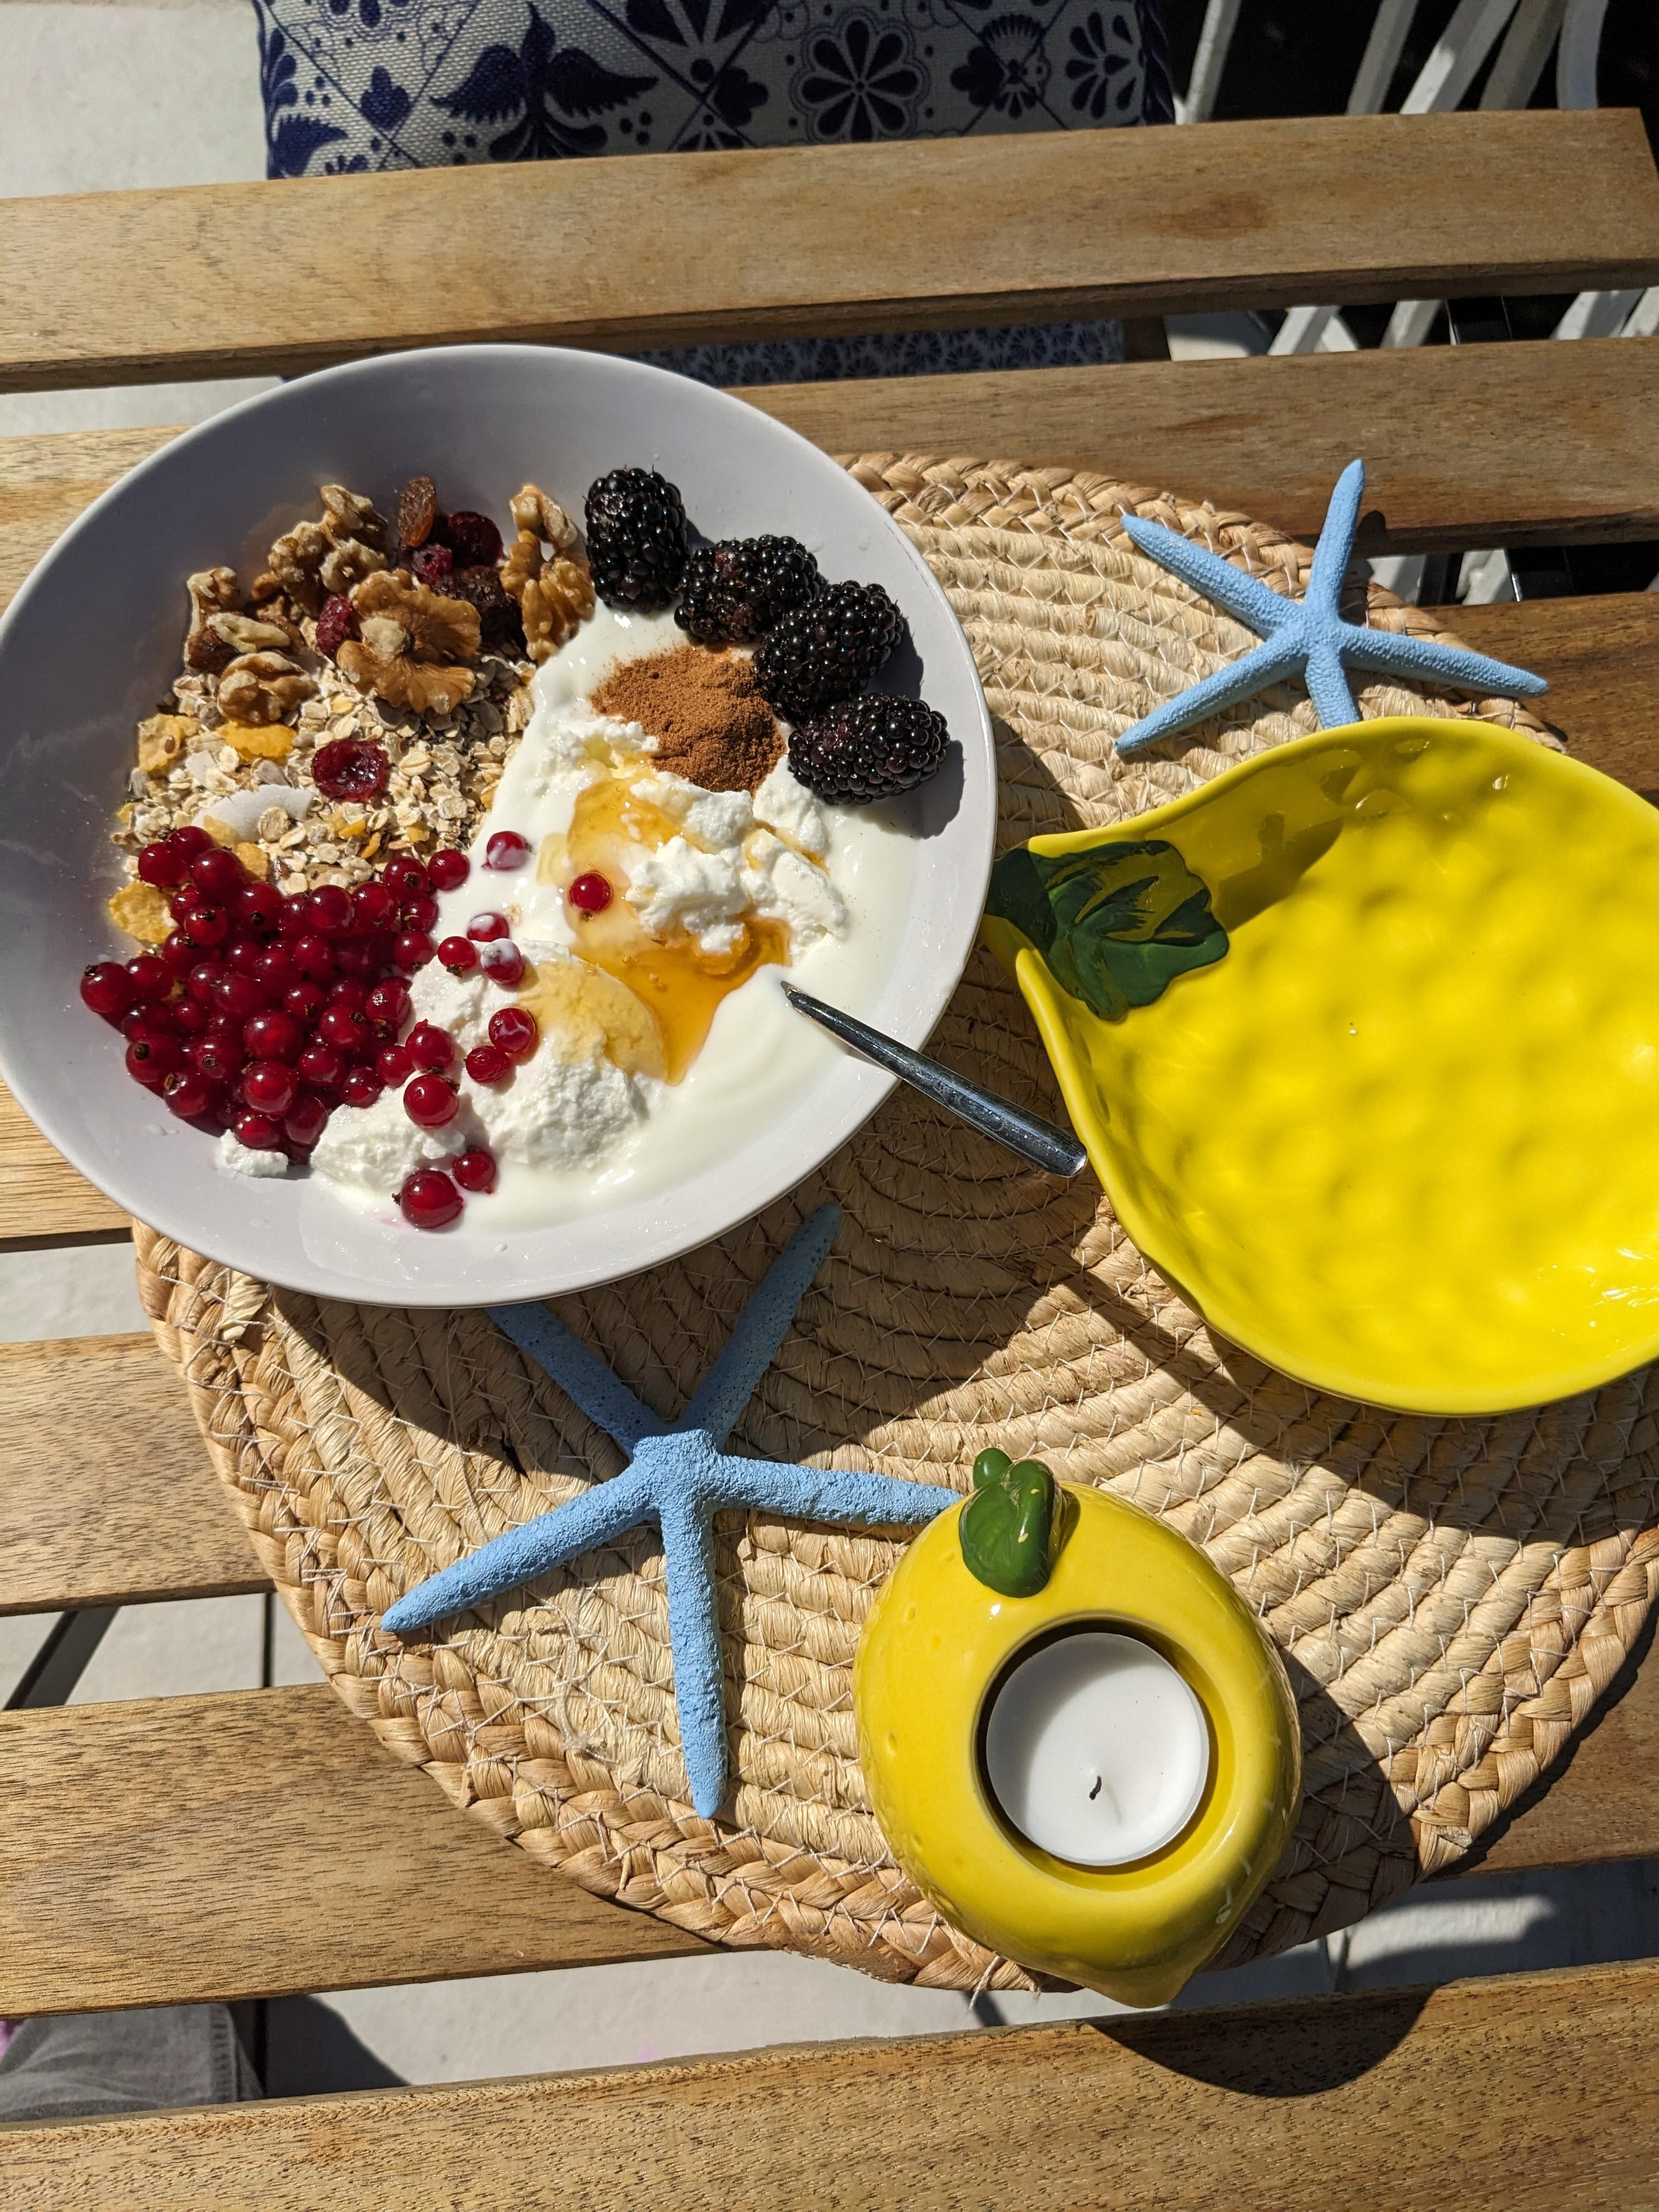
{"points": [[212, 592], [554, 596], [262, 688], [411, 640]]}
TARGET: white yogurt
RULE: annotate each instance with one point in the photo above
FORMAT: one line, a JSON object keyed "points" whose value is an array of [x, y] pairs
{"points": [[575, 1134]]}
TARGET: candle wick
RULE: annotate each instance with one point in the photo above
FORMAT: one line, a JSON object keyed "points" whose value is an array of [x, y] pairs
{"points": [[1095, 1792]]}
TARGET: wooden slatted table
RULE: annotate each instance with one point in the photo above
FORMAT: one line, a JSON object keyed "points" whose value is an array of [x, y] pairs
{"points": [[1517, 445]]}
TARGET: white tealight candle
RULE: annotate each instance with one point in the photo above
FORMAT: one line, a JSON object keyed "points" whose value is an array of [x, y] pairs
{"points": [[1096, 1750]]}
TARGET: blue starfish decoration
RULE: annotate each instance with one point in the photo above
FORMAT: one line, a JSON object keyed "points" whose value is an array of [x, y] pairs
{"points": [[677, 1479], [1307, 634]]}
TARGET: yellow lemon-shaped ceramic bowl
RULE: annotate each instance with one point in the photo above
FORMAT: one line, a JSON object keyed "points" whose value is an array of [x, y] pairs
{"points": [[933, 1651], [1373, 1071]]}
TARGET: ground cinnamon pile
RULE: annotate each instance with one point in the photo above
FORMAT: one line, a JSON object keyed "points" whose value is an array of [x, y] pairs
{"points": [[711, 724]]}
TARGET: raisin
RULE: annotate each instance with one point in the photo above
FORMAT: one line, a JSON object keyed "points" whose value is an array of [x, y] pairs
{"points": [[335, 621], [500, 623], [417, 510], [432, 565], [472, 537], [348, 768]]}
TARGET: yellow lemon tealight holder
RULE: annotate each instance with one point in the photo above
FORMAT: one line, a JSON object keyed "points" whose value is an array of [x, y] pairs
{"points": [[1079, 1745], [1362, 1039]]}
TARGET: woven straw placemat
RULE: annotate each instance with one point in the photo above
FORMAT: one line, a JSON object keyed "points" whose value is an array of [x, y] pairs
{"points": [[1449, 1596]]}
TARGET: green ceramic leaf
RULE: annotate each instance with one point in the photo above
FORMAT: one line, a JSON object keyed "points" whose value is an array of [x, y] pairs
{"points": [[1006, 1524], [1116, 924]]}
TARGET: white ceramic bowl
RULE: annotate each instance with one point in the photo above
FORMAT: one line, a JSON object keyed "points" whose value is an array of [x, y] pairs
{"points": [[92, 644]]}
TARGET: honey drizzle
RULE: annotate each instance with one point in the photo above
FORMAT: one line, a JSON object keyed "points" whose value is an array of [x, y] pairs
{"points": [[680, 985]]}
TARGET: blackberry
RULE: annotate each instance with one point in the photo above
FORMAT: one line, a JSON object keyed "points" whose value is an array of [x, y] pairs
{"points": [[635, 537], [869, 748], [735, 590], [828, 648]]}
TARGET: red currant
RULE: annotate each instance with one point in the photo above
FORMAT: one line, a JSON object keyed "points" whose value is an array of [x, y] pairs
{"points": [[161, 864], [321, 1065], [362, 1087], [349, 991], [270, 1086], [312, 955], [274, 972], [346, 1027], [358, 958], [294, 920], [190, 1017], [107, 987], [393, 1065], [238, 995], [592, 893], [504, 965], [259, 906], [420, 912], [272, 1036], [447, 870], [486, 1063], [389, 1003], [178, 954], [257, 1131], [305, 1001], [475, 1171], [403, 877], [430, 1103], [459, 954], [412, 949], [206, 926], [306, 1118], [151, 1059], [217, 875], [484, 928], [431, 1050], [244, 954], [514, 1030], [328, 909], [507, 850], [148, 1021], [373, 906], [191, 1094], [202, 977], [429, 1200], [149, 978], [221, 1058], [188, 842]]}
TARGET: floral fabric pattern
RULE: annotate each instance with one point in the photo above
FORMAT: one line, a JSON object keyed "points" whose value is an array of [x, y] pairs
{"points": [[353, 85]]}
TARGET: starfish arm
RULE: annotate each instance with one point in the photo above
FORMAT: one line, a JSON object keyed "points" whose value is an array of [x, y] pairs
{"points": [[580, 1373], [1393, 653], [1335, 546], [1240, 680], [762, 1326], [694, 1634], [1245, 597], [600, 1515], [1328, 687], [816, 1493]]}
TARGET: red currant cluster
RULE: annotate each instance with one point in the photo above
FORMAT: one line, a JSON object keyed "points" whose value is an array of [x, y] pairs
{"points": [[261, 1014]]}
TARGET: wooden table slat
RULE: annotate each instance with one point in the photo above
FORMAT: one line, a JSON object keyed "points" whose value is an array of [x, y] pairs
{"points": [[175, 1850], [624, 254], [1523, 2093]]}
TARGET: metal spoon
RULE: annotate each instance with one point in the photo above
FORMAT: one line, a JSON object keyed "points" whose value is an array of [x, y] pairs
{"points": [[1039, 1142]]}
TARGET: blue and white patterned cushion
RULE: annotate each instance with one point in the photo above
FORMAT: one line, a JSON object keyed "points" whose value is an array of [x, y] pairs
{"points": [[351, 85]]}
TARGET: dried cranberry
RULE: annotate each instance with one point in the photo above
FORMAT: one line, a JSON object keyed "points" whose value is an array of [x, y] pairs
{"points": [[417, 510], [434, 566], [337, 621], [472, 537], [349, 768]]}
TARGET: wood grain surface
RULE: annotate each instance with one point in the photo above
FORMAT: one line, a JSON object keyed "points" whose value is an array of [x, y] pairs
{"points": [[172, 1851], [107, 1496], [234, 280], [43, 1198], [1495, 444], [1524, 2094]]}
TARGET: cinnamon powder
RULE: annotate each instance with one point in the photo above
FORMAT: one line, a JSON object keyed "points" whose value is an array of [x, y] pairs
{"points": [[710, 722]]}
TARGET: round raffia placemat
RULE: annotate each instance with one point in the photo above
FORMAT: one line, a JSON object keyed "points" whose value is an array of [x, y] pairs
{"points": [[1449, 1596]]}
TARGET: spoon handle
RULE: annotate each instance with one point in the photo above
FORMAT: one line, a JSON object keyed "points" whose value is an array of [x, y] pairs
{"points": [[1055, 1151]]}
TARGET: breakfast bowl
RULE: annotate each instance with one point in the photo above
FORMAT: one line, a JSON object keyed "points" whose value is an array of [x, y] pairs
{"points": [[90, 649]]}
